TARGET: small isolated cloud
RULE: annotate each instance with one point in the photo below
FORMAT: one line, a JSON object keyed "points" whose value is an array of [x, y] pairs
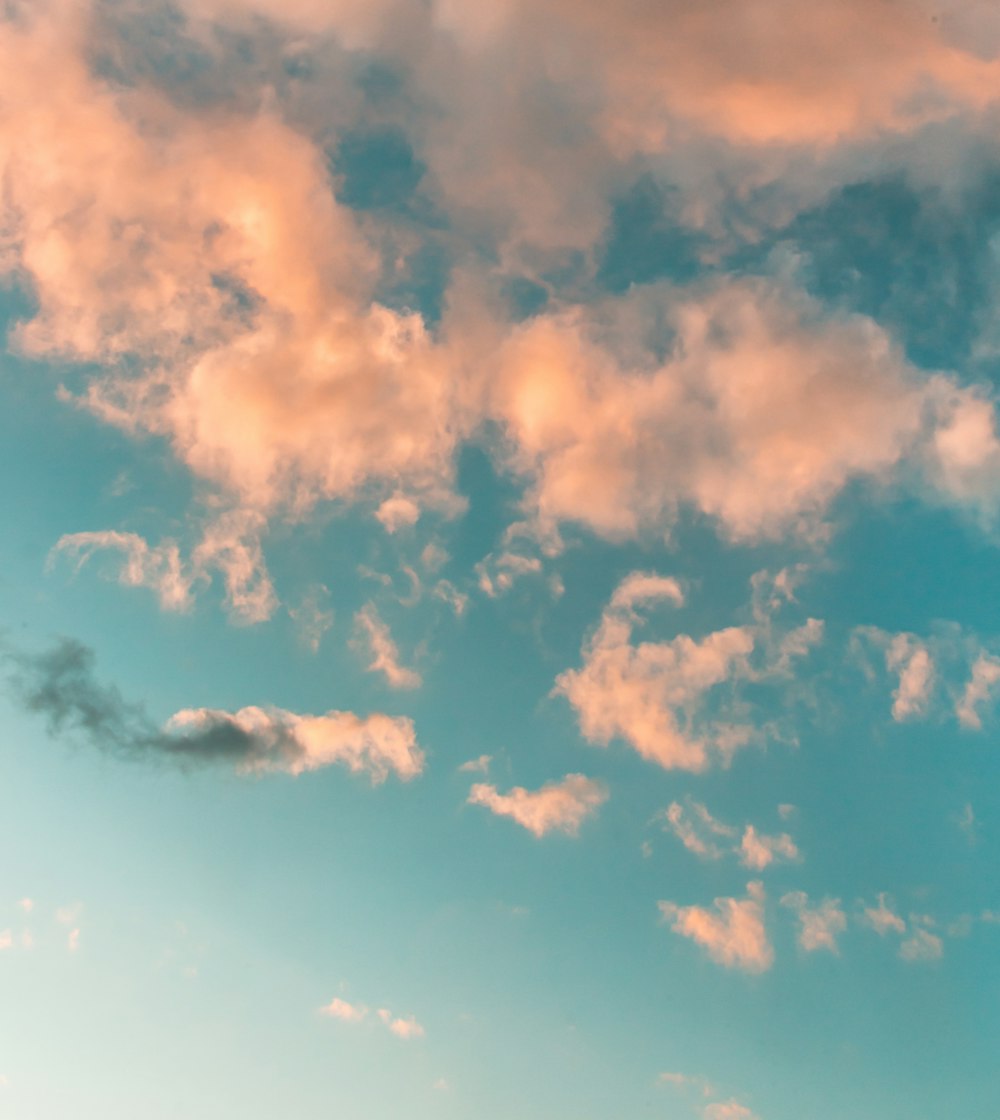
{"points": [[346, 1012], [819, 926], [921, 945], [442, 1085], [480, 765], [758, 851], [912, 660], [979, 691], [397, 512], [60, 686], [67, 915], [402, 1028], [383, 650], [73, 940], [25, 904], [557, 807], [6, 939], [882, 917], [732, 932]]}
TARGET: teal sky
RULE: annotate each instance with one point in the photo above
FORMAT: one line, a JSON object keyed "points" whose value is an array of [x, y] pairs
{"points": [[499, 600]]}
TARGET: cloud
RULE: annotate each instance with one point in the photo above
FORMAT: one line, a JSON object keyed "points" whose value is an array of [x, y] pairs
{"points": [[384, 653], [920, 946], [819, 926], [673, 701], [230, 545], [758, 851], [60, 686], [158, 568], [402, 1028], [732, 933], [397, 512], [557, 807], [765, 407], [313, 616], [204, 262], [978, 692], [347, 1012], [728, 1110], [912, 661], [695, 827], [882, 918], [480, 765], [26, 904]]}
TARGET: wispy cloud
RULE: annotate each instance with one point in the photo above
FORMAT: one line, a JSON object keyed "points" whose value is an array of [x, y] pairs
{"points": [[383, 650]]}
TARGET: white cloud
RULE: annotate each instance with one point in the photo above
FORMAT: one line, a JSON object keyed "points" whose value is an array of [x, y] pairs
{"points": [[557, 807], [732, 932], [480, 765]]}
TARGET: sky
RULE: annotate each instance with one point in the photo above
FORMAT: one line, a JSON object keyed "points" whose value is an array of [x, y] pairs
{"points": [[499, 585]]}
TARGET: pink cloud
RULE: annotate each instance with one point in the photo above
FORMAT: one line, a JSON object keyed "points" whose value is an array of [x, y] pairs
{"points": [[882, 918], [383, 650], [347, 1012], [758, 851], [732, 933], [819, 926], [978, 691], [557, 807], [272, 739]]}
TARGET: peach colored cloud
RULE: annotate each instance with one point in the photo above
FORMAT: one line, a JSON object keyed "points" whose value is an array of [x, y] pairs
{"points": [[383, 650], [210, 248], [347, 1012], [728, 1110], [819, 926], [658, 696], [912, 661], [978, 692], [764, 409], [882, 917], [732, 932], [758, 851], [402, 1028], [230, 545], [921, 946], [272, 739], [556, 807], [696, 828]]}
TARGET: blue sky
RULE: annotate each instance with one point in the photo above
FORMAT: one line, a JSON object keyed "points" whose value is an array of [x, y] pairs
{"points": [[498, 595]]}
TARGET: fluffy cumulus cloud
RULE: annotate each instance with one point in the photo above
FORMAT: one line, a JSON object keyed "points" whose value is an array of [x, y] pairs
{"points": [[819, 926], [60, 685], [732, 932], [672, 701], [560, 806], [765, 408]]}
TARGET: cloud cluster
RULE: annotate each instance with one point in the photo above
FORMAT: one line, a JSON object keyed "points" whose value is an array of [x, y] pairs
{"points": [[60, 686], [819, 926]]}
